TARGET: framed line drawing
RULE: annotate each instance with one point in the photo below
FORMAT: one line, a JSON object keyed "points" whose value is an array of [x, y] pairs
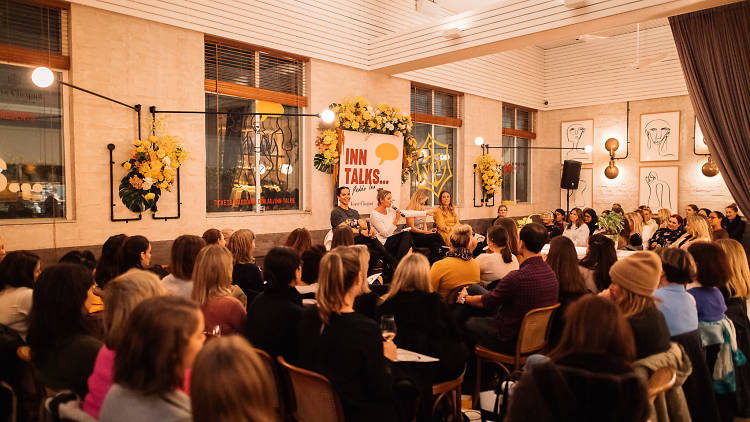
{"points": [[700, 143], [660, 136], [658, 187], [583, 197], [577, 134]]}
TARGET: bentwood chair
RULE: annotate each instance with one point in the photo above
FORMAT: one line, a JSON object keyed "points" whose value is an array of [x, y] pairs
{"points": [[277, 399], [660, 381], [312, 394], [449, 390], [532, 338]]}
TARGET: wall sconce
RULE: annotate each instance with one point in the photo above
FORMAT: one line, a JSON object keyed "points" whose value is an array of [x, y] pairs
{"points": [[710, 169], [611, 145]]}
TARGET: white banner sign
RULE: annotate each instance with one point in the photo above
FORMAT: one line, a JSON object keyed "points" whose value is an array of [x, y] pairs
{"points": [[370, 161]]}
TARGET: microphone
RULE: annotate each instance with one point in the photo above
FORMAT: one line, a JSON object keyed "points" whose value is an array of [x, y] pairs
{"points": [[402, 214]]}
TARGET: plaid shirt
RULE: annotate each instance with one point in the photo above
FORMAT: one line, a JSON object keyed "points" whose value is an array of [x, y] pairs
{"points": [[533, 285]]}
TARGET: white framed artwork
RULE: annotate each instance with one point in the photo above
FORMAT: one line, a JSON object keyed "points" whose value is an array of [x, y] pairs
{"points": [[658, 187], [660, 136], [583, 197], [577, 134], [700, 142]]}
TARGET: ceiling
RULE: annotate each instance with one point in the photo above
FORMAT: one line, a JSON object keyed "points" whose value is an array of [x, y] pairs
{"points": [[608, 33]]}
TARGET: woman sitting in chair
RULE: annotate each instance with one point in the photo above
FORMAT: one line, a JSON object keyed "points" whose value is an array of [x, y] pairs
{"points": [[582, 373]]}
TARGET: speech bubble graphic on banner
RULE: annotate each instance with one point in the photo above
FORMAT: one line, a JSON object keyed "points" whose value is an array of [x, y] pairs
{"points": [[268, 107], [386, 151]]}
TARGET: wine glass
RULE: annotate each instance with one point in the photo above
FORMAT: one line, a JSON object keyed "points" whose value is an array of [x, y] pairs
{"points": [[388, 327], [212, 332]]}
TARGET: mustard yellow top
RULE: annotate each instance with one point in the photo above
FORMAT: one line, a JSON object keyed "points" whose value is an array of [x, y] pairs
{"points": [[451, 272], [445, 220]]}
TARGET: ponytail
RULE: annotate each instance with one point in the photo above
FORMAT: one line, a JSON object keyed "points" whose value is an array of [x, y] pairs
{"points": [[339, 270], [499, 236]]}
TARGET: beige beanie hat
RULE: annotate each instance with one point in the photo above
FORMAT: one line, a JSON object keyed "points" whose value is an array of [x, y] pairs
{"points": [[639, 273]]}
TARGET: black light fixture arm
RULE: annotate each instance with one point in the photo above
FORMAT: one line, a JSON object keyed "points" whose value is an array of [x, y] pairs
{"points": [[136, 108]]}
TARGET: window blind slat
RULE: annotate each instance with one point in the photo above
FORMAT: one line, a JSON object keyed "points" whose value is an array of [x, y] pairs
{"points": [[33, 26]]}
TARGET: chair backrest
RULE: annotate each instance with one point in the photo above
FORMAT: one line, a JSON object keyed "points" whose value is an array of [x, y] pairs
{"points": [[535, 330], [276, 399], [660, 381], [315, 400]]}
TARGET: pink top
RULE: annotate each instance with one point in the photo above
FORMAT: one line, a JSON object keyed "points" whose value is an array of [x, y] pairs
{"points": [[103, 377]]}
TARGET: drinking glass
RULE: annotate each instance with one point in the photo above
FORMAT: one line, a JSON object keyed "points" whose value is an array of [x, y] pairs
{"points": [[388, 327]]}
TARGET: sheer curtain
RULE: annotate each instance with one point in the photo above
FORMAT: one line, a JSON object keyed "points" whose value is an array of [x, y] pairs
{"points": [[714, 50]]}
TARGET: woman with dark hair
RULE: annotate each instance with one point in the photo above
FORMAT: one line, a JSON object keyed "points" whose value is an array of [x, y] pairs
{"points": [[499, 260], [311, 263], [300, 240], [135, 252], [510, 228], [576, 230], [678, 307], [563, 260], [160, 341], [214, 237], [712, 272], [108, 266], [600, 256], [85, 258], [559, 215], [704, 212], [342, 236], [591, 362], [733, 223], [182, 260], [590, 218], [273, 316], [18, 272], [715, 218], [664, 237], [62, 350]]}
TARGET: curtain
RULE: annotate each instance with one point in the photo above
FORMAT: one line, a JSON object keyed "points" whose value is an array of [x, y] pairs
{"points": [[714, 50]]}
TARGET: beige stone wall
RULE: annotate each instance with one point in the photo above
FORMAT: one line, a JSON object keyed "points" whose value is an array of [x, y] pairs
{"points": [[610, 121]]}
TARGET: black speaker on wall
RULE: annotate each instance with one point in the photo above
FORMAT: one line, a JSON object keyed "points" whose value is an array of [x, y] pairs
{"points": [[570, 175]]}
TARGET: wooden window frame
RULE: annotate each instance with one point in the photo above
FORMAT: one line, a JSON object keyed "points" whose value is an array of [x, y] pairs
{"points": [[433, 119], [31, 57]]}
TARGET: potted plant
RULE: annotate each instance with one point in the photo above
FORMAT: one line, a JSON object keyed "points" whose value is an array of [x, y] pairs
{"points": [[611, 225]]}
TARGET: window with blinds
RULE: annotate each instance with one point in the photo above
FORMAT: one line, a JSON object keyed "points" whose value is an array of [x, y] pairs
{"points": [[34, 33], [518, 135], [434, 106]]}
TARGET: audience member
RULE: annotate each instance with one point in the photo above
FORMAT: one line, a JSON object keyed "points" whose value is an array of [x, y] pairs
{"points": [[664, 237], [733, 223], [634, 239], [245, 273], [715, 219], [560, 219], [533, 286], [62, 350], [712, 272], [122, 295], [231, 383], [182, 260], [214, 237], [212, 289], [311, 263], [663, 215], [84, 257], [591, 362], [704, 212], [18, 273], [552, 229], [696, 230], [108, 266], [273, 316], [367, 299], [502, 212], [634, 280], [576, 230], [677, 305], [617, 208], [424, 323], [346, 347], [590, 218], [342, 236], [691, 209], [445, 216], [595, 265], [510, 227], [563, 260], [649, 224], [421, 235], [458, 268], [300, 240], [160, 341], [226, 233], [135, 252], [499, 260], [385, 220]]}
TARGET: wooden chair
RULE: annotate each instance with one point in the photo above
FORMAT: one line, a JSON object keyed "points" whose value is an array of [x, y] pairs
{"points": [[660, 381], [532, 338], [277, 400], [312, 394], [450, 390]]}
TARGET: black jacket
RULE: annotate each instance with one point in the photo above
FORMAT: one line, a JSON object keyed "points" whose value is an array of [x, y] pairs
{"points": [[735, 228], [737, 313], [272, 320], [607, 390], [249, 278], [698, 387]]}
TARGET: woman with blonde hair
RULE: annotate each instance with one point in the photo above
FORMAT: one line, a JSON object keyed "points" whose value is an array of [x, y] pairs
{"points": [[458, 268], [696, 230], [421, 235], [631, 238], [738, 284], [121, 296], [245, 273], [446, 216], [344, 346], [385, 219], [231, 383], [212, 289], [663, 216], [424, 322]]}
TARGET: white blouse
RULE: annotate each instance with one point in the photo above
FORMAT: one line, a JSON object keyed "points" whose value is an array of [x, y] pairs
{"points": [[383, 223], [492, 267], [579, 235]]}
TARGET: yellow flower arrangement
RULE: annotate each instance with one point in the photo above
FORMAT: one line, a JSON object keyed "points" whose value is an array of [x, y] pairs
{"points": [[152, 166], [490, 172], [361, 116], [522, 222]]}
